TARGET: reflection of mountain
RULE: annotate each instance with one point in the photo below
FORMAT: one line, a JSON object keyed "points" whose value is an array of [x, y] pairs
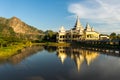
{"points": [[25, 53], [77, 54]]}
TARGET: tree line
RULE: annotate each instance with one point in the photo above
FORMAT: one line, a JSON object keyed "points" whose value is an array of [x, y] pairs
{"points": [[10, 38], [114, 36]]}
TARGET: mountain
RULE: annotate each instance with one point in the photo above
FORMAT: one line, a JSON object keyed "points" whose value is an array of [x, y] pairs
{"points": [[6, 31], [21, 27], [14, 26]]}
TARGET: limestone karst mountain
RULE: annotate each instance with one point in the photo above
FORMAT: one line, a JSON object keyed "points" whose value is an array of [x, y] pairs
{"points": [[22, 30]]}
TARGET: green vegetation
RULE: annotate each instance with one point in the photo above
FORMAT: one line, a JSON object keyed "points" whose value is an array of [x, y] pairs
{"points": [[16, 35], [12, 42], [50, 36], [15, 27], [6, 52], [114, 36]]}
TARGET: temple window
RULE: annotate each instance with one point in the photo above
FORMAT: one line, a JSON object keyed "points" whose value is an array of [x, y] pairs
{"points": [[60, 36], [87, 36]]}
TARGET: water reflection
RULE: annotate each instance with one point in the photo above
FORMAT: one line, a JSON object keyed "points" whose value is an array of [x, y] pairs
{"points": [[50, 49], [37, 63], [26, 52], [78, 55]]}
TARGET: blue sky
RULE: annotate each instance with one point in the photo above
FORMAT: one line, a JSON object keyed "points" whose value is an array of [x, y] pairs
{"points": [[104, 15]]}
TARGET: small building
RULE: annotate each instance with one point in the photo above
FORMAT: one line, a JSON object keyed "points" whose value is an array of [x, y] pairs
{"points": [[104, 37], [77, 33]]}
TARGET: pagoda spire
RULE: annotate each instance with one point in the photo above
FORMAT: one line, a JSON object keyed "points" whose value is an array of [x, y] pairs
{"points": [[78, 25]]}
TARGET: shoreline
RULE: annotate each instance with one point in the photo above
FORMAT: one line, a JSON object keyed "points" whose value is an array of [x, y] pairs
{"points": [[52, 44], [7, 52]]}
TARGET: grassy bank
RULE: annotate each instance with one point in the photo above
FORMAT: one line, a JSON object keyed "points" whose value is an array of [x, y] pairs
{"points": [[52, 44], [6, 52]]}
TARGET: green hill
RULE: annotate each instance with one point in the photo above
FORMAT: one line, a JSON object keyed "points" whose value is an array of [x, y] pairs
{"points": [[16, 28]]}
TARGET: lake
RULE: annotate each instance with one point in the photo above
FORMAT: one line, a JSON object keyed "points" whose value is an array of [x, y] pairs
{"points": [[61, 63]]}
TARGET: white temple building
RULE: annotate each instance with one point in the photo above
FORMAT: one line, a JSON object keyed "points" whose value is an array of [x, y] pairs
{"points": [[77, 33]]}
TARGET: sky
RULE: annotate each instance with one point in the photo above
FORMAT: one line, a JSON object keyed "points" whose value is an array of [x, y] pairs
{"points": [[102, 15]]}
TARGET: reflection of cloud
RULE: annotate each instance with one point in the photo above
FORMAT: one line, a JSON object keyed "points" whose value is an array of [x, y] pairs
{"points": [[105, 11]]}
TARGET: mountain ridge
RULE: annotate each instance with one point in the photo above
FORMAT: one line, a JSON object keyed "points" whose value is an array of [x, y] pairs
{"points": [[20, 28]]}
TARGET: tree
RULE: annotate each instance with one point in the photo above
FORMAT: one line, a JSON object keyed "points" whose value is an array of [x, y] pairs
{"points": [[2, 42], [118, 36], [50, 36], [113, 35]]}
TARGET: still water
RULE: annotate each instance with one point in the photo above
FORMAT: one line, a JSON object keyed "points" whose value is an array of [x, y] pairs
{"points": [[60, 63]]}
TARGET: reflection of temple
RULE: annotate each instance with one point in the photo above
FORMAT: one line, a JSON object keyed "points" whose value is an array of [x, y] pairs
{"points": [[77, 54]]}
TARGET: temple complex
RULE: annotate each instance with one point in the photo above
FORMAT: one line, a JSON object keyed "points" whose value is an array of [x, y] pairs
{"points": [[77, 33]]}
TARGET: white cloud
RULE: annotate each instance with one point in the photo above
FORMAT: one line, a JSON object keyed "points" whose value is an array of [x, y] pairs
{"points": [[99, 11]]}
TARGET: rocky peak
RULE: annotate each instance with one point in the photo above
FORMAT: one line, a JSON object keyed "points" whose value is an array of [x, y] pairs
{"points": [[21, 27], [14, 18]]}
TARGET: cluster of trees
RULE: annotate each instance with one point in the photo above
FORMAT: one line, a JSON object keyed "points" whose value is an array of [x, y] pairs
{"points": [[6, 35], [50, 36], [9, 37], [114, 36]]}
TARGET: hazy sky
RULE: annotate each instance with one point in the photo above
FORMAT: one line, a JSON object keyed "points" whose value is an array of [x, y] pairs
{"points": [[103, 15]]}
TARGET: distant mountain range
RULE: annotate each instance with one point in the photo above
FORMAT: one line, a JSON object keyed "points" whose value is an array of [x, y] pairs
{"points": [[15, 27]]}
